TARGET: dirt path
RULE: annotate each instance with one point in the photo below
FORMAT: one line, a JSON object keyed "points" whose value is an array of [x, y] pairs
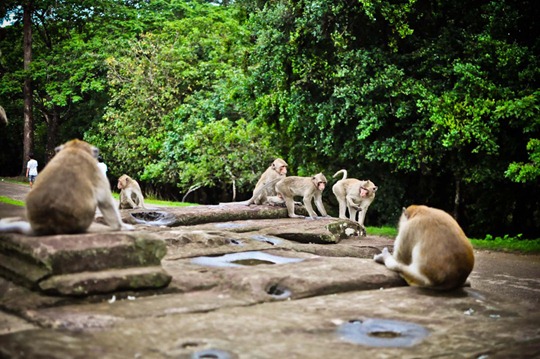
{"points": [[514, 277]]}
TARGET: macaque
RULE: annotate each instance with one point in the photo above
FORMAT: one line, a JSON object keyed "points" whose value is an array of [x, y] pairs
{"points": [[264, 193], [354, 195], [430, 250], [66, 194], [277, 169], [3, 116], [130, 193], [307, 187]]}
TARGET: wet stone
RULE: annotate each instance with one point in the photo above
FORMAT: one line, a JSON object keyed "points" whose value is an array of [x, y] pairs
{"points": [[241, 259], [154, 218], [377, 332]]}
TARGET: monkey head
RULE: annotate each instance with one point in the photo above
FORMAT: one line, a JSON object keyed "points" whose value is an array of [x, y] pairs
{"points": [[79, 145], [123, 181], [280, 166], [319, 180], [367, 189]]}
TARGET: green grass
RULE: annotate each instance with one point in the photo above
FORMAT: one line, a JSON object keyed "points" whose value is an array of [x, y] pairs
{"points": [[7, 200], [158, 202], [508, 244], [385, 231], [503, 244]]}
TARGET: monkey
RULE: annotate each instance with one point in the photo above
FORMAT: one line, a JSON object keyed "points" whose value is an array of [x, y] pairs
{"points": [[277, 169], [66, 194], [354, 195], [3, 116], [307, 187], [262, 192], [431, 250], [130, 193]]}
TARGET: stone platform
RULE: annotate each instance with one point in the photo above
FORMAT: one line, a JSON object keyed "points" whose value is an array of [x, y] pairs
{"points": [[243, 283]]}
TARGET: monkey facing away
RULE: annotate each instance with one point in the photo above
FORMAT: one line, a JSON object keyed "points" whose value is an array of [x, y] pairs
{"points": [[430, 250], [130, 193], [310, 188], [66, 193], [354, 195]]}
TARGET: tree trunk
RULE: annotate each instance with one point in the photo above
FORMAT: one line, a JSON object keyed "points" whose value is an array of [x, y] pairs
{"points": [[53, 123], [457, 199], [28, 133]]}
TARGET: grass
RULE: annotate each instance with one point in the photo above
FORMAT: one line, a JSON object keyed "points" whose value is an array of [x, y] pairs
{"points": [[14, 202], [503, 244]]}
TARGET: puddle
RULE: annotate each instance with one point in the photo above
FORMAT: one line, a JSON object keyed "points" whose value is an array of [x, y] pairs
{"points": [[212, 354], [375, 332], [229, 225], [267, 239], [243, 259], [236, 242], [154, 218], [279, 292]]}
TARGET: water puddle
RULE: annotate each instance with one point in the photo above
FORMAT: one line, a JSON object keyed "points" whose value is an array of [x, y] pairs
{"points": [[267, 239], [279, 292], [212, 354], [242, 259], [376, 332], [154, 218], [229, 225]]}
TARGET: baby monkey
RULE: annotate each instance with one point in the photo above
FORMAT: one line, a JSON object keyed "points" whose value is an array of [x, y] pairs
{"points": [[430, 250], [130, 193]]}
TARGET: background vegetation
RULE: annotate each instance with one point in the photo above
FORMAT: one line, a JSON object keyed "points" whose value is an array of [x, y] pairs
{"points": [[437, 102]]}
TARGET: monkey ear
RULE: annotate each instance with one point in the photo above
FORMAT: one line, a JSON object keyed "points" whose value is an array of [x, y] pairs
{"points": [[58, 149], [95, 152], [375, 189]]}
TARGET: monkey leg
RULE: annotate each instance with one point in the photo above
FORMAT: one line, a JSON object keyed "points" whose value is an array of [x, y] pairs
{"points": [[411, 273], [342, 208], [290, 209]]}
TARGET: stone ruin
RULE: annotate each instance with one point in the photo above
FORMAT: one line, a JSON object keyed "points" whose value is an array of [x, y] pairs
{"points": [[236, 282]]}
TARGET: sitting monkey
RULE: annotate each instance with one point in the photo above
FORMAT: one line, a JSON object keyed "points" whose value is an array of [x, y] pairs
{"points": [[130, 193], [430, 250], [66, 193], [354, 195]]}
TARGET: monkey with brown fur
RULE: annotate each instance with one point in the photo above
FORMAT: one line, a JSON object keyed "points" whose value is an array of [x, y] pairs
{"points": [[130, 193], [430, 250], [309, 188], [66, 194], [354, 195]]}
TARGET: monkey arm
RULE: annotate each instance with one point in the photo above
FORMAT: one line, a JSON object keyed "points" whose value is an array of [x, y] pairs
{"points": [[352, 204]]}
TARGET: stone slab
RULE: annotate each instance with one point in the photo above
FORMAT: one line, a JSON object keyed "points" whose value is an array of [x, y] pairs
{"points": [[106, 281], [64, 254], [461, 324]]}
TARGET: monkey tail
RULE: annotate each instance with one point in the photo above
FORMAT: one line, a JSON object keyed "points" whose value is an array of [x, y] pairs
{"points": [[16, 227], [250, 201], [340, 171]]}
